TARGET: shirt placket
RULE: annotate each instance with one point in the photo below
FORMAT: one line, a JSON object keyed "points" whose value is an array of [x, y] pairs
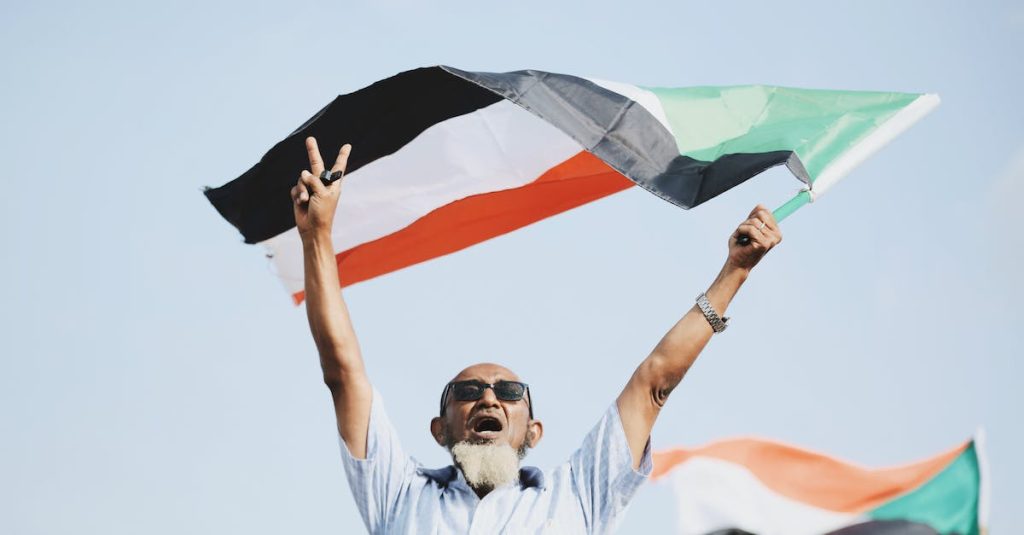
{"points": [[483, 516]]}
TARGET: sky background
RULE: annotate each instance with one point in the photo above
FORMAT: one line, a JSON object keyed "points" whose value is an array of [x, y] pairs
{"points": [[154, 377]]}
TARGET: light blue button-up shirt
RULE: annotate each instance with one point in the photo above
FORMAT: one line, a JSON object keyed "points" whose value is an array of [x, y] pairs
{"points": [[587, 494]]}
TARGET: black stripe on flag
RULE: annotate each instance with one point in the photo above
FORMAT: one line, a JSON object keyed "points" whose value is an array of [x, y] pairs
{"points": [[377, 120]]}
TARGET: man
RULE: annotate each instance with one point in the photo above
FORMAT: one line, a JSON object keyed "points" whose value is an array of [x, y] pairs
{"points": [[486, 415]]}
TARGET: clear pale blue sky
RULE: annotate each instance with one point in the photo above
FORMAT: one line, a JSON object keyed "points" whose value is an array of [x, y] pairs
{"points": [[155, 379]]}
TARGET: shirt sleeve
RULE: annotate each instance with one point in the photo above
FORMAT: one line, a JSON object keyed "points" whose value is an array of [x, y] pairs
{"points": [[378, 480], [603, 475]]}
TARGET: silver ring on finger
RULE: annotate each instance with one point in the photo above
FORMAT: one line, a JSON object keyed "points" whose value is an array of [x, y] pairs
{"points": [[762, 226]]}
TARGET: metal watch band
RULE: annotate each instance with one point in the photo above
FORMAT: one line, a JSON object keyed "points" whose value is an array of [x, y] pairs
{"points": [[718, 323]]}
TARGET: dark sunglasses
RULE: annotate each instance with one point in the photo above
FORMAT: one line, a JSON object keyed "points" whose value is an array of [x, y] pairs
{"points": [[473, 390]]}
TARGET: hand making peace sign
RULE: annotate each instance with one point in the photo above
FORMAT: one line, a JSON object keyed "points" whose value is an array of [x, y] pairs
{"points": [[315, 202]]}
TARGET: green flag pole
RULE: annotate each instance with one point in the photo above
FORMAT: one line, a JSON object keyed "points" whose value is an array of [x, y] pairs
{"points": [[792, 205]]}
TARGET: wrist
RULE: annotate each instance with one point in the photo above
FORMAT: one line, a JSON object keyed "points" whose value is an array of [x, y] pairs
{"points": [[733, 273], [315, 237], [723, 289]]}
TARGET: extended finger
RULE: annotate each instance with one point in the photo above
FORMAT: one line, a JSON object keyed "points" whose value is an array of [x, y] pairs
{"points": [[316, 163], [341, 163]]}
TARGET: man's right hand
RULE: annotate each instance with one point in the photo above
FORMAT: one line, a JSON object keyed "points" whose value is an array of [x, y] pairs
{"points": [[313, 202]]}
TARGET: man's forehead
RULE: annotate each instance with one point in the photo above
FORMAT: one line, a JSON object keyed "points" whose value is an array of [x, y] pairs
{"points": [[487, 372]]}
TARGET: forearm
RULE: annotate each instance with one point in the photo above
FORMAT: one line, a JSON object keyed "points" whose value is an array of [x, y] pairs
{"points": [[328, 316], [680, 347]]}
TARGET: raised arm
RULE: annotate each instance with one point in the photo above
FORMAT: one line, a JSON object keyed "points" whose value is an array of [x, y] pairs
{"points": [[648, 389], [340, 359]]}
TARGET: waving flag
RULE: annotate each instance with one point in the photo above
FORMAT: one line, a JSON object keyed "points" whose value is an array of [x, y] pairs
{"points": [[443, 158], [749, 486]]}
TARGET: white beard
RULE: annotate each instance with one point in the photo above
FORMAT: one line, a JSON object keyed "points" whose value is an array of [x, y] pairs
{"points": [[487, 465]]}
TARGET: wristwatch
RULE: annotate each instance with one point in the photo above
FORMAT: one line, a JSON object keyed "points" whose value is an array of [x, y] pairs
{"points": [[718, 323]]}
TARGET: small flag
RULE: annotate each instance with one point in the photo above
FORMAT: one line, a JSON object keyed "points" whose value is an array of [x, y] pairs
{"points": [[752, 486], [443, 158]]}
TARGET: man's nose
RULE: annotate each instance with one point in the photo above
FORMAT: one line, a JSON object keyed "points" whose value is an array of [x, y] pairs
{"points": [[489, 399]]}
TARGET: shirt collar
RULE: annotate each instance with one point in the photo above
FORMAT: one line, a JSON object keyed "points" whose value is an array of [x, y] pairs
{"points": [[529, 476]]}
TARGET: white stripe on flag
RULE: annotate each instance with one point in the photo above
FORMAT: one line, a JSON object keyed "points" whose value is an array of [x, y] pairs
{"points": [[495, 148], [870, 144], [712, 494], [641, 96]]}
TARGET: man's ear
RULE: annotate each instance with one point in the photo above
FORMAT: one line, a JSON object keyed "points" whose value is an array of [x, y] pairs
{"points": [[534, 432], [437, 430]]}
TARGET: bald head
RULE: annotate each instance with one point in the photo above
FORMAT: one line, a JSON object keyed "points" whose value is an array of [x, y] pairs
{"points": [[487, 372]]}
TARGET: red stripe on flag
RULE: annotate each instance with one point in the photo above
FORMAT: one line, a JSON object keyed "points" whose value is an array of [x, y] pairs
{"points": [[460, 224]]}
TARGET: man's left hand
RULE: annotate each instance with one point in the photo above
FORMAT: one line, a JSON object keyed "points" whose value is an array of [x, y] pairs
{"points": [[763, 233]]}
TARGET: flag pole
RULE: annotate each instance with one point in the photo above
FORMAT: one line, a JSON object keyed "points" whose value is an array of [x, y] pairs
{"points": [[792, 205]]}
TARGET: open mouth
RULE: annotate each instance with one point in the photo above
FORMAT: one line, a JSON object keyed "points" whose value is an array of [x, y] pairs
{"points": [[487, 425]]}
